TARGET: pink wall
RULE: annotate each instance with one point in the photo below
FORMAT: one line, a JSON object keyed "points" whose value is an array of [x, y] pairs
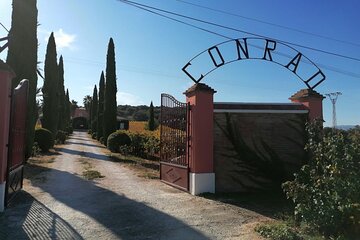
{"points": [[200, 97], [312, 100], [5, 93]]}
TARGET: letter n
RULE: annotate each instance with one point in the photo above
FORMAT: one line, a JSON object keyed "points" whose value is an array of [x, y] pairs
{"points": [[242, 49]]}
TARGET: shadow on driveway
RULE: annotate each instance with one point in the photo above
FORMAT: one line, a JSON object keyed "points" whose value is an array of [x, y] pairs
{"points": [[27, 218], [84, 144], [126, 218]]}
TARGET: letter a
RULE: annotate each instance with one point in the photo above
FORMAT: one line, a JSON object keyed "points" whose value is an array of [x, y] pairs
{"points": [[295, 62], [268, 49]]}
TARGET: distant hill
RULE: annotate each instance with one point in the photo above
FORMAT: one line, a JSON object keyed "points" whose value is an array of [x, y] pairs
{"points": [[137, 113], [345, 127]]}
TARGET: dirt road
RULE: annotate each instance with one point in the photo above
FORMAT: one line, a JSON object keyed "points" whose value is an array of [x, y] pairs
{"points": [[59, 203]]}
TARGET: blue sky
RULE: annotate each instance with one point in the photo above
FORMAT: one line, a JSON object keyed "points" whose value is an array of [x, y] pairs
{"points": [[150, 50]]}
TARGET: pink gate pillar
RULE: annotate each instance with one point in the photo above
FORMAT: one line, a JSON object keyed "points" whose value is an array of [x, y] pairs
{"points": [[200, 142], [6, 75], [312, 100]]}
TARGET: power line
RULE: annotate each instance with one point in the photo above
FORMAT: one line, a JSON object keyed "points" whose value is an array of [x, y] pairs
{"points": [[330, 68], [270, 23], [173, 19], [4, 27], [146, 7]]}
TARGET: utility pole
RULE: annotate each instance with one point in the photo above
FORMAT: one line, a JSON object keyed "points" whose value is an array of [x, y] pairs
{"points": [[333, 98]]}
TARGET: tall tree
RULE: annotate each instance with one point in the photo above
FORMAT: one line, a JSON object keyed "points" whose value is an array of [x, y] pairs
{"points": [[67, 109], [62, 100], [50, 88], [100, 112], [22, 57], [110, 107], [73, 106], [151, 122], [87, 104], [94, 107]]}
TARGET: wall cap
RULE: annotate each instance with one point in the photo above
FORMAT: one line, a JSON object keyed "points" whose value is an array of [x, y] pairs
{"points": [[201, 87], [306, 94], [6, 67]]}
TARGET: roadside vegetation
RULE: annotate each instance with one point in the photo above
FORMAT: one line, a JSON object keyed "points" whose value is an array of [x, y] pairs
{"points": [[325, 192]]}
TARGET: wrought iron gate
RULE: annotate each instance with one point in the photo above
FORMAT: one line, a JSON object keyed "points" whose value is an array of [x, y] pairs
{"points": [[16, 156], [174, 167]]}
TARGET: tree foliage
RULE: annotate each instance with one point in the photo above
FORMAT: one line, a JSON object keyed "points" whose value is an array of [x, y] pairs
{"points": [[326, 191], [100, 112], [50, 88], [94, 108], [67, 109], [151, 122], [22, 57], [110, 106], [62, 123]]}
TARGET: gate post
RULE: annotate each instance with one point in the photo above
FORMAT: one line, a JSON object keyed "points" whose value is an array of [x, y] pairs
{"points": [[312, 100], [200, 140], [6, 75]]}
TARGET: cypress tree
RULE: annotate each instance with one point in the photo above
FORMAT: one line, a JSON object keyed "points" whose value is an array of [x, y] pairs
{"points": [[22, 57], [100, 112], [67, 109], [50, 88], [151, 122], [61, 94], [94, 107], [110, 107]]}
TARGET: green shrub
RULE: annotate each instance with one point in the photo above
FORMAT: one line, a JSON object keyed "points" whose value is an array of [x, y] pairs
{"points": [[93, 135], [69, 130], [44, 139], [277, 232], [144, 145], [61, 137], [35, 150], [89, 131], [117, 139], [326, 191], [101, 140]]}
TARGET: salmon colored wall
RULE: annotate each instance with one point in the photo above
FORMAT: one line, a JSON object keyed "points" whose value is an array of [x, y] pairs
{"points": [[5, 93], [314, 105], [201, 125]]}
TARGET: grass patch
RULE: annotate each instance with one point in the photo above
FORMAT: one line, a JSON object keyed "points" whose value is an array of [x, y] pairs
{"points": [[92, 174], [286, 230], [144, 168], [278, 231]]}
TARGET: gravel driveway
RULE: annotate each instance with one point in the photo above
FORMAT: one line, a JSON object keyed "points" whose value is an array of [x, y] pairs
{"points": [[60, 204]]}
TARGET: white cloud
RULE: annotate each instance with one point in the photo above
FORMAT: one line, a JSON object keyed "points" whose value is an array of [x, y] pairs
{"points": [[62, 39], [124, 98]]}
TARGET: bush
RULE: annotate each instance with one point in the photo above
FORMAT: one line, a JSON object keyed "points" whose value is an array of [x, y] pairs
{"points": [[101, 140], [277, 232], [144, 145], [44, 139], [69, 130], [93, 135], [35, 149], [61, 137], [89, 131], [326, 191], [117, 139]]}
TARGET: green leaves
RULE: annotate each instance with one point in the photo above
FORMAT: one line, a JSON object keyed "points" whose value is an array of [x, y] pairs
{"points": [[326, 191]]}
